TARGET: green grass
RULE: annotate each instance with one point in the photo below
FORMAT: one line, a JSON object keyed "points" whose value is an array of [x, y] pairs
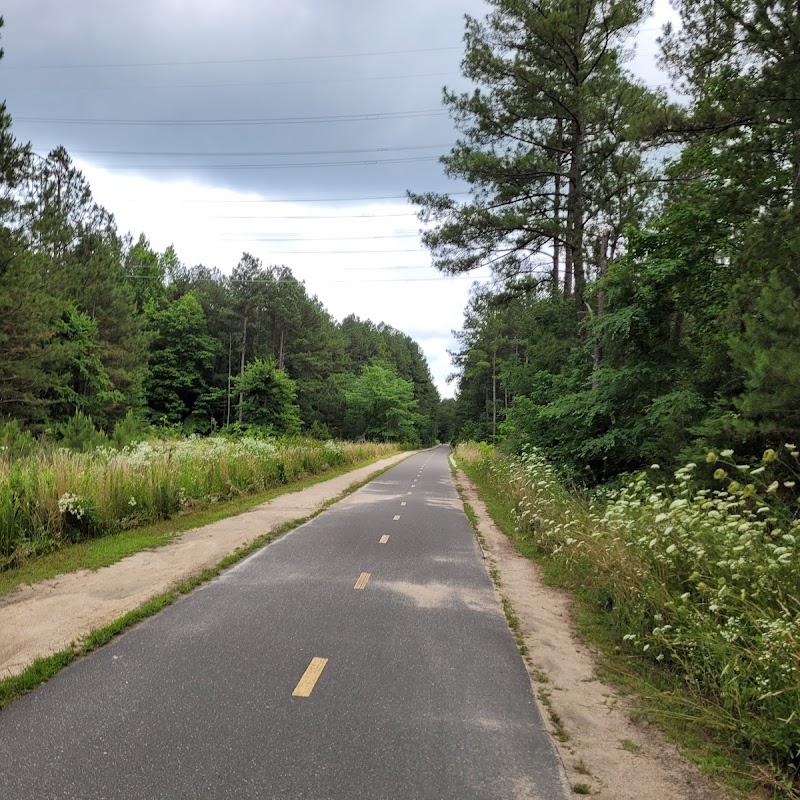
{"points": [[42, 669], [659, 699], [106, 550]]}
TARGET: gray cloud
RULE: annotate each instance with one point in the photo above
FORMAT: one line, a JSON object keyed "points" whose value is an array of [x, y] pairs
{"points": [[42, 34]]}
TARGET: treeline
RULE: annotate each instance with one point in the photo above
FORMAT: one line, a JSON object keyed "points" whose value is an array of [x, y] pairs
{"points": [[94, 324], [646, 253]]}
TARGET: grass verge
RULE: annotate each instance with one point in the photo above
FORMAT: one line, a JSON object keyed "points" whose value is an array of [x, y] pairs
{"points": [[42, 669], [657, 699], [106, 550]]}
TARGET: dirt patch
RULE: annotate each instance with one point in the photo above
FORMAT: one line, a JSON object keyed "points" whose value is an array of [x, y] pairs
{"points": [[438, 595], [46, 617], [617, 758]]}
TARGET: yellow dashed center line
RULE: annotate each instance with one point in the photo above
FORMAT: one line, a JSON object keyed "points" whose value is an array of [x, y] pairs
{"points": [[408, 492], [310, 677], [362, 580], [403, 503], [384, 538], [396, 517]]}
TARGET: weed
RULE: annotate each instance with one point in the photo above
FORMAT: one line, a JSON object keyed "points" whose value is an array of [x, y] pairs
{"points": [[52, 498], [692, 594]]}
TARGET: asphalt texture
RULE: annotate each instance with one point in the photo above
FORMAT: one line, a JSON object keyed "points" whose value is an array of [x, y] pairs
{"points": [[423, 694]]}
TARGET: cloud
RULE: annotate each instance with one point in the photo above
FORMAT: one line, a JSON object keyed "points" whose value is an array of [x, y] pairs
{"points": [[46, 33], [263, 59]]}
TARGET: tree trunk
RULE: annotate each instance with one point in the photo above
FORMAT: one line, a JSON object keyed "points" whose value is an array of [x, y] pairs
{"points": [[567, 271], [677, 329], [575, 222], [602, 269], [241, 367], [554, 276], [230, 368], [494, 397]]}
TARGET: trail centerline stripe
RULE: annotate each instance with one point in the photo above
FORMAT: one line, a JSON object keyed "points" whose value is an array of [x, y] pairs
{"points": [[362, 580], [396, 517], [310, 677], [384, 538]]}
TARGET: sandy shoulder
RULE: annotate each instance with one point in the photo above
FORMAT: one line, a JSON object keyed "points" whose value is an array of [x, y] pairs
{"points": [[42, 618], [594, 717]]}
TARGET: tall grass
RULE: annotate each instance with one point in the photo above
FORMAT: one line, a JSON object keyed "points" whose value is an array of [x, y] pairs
{"points": [[696, 574], [53, 496]]}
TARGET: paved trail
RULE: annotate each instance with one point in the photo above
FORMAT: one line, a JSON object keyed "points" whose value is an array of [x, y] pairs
{"points": [[363, 655]]}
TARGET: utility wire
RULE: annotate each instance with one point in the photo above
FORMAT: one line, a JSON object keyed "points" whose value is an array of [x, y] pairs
{"points": [[351, 252], [300, 239], [299, 200], [227, 153], [368, 117], [271, 60], [295, 165], [231, 84], [306, 216]]}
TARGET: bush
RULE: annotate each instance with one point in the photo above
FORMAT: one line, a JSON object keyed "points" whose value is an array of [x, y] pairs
{"points": [[79, 434], [701, 581], [53, 496]]}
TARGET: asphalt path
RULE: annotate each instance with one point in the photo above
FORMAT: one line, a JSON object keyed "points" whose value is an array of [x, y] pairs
{"points": [[334, 663]]}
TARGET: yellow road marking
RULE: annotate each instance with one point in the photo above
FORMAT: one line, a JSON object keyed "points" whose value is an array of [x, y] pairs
{"points": [[310, 677], [362, 580], [408, 492], [396, 517], [384, 538]]}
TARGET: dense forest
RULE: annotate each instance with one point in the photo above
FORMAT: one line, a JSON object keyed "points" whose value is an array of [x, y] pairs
{"points": [[645, 246], [95, 325]]}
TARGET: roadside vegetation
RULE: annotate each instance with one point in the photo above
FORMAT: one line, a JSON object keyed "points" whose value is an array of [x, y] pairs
{"points": [[52, 496], [692, 579]]}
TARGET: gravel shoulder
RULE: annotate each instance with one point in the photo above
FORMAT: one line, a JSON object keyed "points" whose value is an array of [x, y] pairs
{"points": [[594, 718], [42, 618]]}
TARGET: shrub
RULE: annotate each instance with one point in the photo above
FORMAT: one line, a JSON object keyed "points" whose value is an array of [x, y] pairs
{"points": [[697, 573]]}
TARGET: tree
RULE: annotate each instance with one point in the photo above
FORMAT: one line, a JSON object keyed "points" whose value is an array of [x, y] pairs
{"points": [[30, 358], [381, 405], [86, 386], [546, 145], [179, 383], [268, 396]]}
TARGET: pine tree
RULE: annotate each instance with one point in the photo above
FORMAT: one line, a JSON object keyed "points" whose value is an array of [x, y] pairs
{"points": [[544, 141]]}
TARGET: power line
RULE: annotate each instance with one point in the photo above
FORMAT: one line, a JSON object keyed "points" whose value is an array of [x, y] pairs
{"points": [[375, 280], [300, 200], [368, 117], [301, 239], [227, 153], [295, 165], [272, 59], [231, 84], [351, 252], [305, 216]]}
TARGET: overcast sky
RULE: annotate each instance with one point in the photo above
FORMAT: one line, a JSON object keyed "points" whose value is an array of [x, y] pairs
{"points": [[307, 122]]}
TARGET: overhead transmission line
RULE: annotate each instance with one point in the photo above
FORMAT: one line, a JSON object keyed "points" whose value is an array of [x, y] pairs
{"points": [[317, 120], [212, 61], [231, 84], [191, 200], [292, 165], [230, 153]]}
